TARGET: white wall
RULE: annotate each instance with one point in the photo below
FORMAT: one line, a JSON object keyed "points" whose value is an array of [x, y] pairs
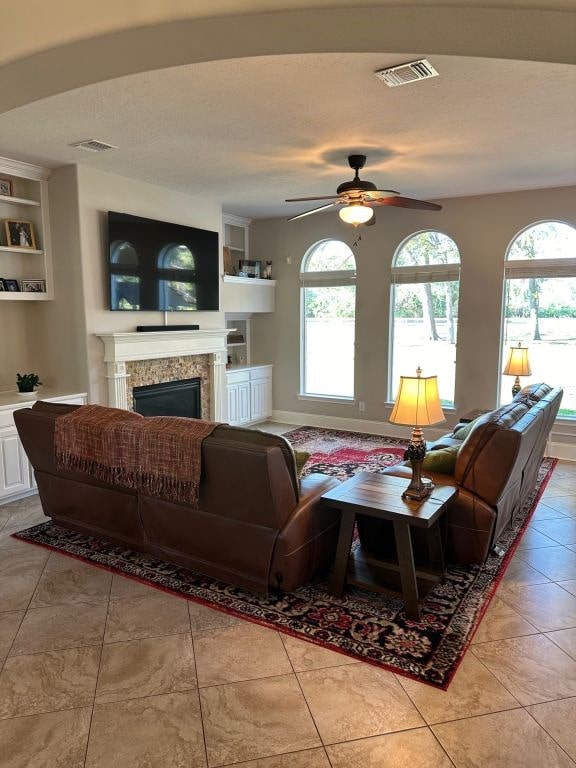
{"points": [[482, 227]]}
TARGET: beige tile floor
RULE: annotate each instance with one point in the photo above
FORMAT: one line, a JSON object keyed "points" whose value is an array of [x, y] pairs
{"points": [[100, 671]]}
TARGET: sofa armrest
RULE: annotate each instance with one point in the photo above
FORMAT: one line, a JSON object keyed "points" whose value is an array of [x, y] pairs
{"points": [[315, 485]]}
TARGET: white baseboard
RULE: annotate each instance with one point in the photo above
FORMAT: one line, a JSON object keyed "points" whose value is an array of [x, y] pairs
{"points": [[564, 451]]}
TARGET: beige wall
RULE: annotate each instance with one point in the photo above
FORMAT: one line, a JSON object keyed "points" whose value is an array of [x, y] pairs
{"points": [[99, 192], [17, 354], [482, 228]]}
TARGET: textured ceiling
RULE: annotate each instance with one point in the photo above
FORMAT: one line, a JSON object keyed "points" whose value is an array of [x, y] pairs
{"points": [[252, 101], [254, 131]]}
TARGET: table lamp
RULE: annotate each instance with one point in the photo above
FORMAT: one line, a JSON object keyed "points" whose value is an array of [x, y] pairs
{"points": [[517, 365], [417, 405]]}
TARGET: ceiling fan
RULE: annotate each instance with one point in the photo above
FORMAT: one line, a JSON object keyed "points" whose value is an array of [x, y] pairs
{"points": [[358, 197]]}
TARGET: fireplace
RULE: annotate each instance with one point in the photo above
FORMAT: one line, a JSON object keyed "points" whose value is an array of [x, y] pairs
{"points": [[170, 398], [143, 359]]}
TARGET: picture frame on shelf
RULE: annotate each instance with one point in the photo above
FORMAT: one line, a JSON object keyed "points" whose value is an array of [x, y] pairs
{"points": [[33, 286], [11, 285], [228, 261], [249, 268], [19, 234], [5, 187], [2, 285]]}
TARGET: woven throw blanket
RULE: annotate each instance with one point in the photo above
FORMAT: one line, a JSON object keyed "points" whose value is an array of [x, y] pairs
{"points": [[158, 455]]}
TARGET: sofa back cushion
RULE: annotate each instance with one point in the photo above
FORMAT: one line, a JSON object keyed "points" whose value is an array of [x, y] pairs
{"points": [[246, 482], [503, 443], [263, 439]]}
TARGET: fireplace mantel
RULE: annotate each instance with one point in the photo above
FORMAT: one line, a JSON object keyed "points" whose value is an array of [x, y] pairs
{"points": [[119, 348]]}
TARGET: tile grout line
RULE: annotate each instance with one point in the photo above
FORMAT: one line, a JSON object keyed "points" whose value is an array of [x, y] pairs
{"points": [[97, 675], [197, 683], [295, 674]]}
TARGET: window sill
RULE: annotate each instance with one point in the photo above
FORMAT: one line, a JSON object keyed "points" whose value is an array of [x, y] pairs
{"points": [[327, 399]]}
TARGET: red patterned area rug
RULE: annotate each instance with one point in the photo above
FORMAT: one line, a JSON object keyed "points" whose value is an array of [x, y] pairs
{"points": [[368, 626]]}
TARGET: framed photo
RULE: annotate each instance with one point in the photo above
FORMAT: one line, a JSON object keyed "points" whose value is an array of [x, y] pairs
{"points": [[2, 285], [228, 261], [10, 285], [33, 286], [6, 187], [19, 234], [249, 268]]}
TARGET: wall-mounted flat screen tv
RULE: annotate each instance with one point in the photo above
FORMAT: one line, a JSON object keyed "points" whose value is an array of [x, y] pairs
{"points": [[155, 265]]}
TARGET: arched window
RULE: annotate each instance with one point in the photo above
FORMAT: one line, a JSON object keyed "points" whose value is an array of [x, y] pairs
{"points": [[424, 311], [175, 293], [124, 282], [328, 307], [540, 306]]}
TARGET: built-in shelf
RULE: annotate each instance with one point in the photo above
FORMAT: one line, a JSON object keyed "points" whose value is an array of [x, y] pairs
{"points": [[19, 200], [247, 280], [23, 296], [20, 249], [27, 202]]}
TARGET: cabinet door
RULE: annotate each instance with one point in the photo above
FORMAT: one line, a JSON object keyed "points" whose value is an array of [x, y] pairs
{"points": [[256, 400], [244, 402], [14, 467], [266, 397], [233, 416]]}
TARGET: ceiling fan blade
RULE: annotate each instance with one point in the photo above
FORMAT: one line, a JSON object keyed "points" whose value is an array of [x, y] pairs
{"points": [[408, 202], [306, 199], [307, 213], [377, 194]]}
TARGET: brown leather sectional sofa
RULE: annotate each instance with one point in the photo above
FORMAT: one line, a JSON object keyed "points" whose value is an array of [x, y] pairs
{"points": [[495, 471], [255, 526]]}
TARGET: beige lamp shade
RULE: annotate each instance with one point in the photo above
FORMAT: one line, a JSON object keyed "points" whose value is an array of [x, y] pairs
{"points": [[418, 402], [518, 363]]}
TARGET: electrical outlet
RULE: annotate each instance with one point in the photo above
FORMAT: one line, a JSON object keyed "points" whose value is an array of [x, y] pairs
{"points": [[288, 259], [361, 407]]}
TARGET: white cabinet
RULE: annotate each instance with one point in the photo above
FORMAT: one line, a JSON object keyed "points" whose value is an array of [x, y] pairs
{"points": [[14, 467], [249, 394], [238, 402], [16, 474], [25, 259]]}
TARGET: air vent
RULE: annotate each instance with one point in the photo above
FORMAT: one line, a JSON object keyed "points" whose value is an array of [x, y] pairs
{"points": [[406, 73], [92, 145]]}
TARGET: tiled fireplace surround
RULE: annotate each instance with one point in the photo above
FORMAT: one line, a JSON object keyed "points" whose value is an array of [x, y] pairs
{"points": [[137, 359]]}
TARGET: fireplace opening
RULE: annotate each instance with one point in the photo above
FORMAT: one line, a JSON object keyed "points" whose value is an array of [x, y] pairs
{"points": [[171, 398]]}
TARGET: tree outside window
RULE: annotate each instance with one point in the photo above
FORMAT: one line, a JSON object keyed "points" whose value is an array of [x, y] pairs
{"points": [[328, 306], [540, 306], [424, 307]]}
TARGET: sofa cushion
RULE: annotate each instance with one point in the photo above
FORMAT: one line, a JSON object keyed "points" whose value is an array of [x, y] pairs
{"points": [[301, 459], [441, 460], [461, 431], [266, 439]]}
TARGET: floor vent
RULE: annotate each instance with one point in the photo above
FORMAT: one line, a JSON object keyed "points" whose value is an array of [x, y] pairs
{"points": [[93, 145], [406, 73]]}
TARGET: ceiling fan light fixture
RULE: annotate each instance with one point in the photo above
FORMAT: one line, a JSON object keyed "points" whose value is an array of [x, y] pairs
{"points": [[356, 213]]}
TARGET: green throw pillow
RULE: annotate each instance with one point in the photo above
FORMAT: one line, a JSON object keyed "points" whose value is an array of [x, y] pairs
{"points": [[441, 460], [301, 459], [461, 433]]}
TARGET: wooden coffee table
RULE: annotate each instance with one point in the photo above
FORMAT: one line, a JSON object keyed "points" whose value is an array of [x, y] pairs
{"points": [[380, 496]]}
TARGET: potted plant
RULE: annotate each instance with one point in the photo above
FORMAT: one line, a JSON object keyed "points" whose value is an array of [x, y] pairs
{"points": [[26, 382]]}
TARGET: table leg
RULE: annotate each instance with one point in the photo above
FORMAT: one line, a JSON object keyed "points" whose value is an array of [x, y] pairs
{"points": [[407, 570], [435, 549], [338, 577]]}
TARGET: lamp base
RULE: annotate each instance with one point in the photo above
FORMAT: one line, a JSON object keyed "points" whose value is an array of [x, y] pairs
{"points": [[517, 387], [420, 487]]}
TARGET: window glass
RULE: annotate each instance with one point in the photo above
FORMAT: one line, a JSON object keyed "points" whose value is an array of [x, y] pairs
{"points": [[328, 320], [424, 309], [540, 308]]}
